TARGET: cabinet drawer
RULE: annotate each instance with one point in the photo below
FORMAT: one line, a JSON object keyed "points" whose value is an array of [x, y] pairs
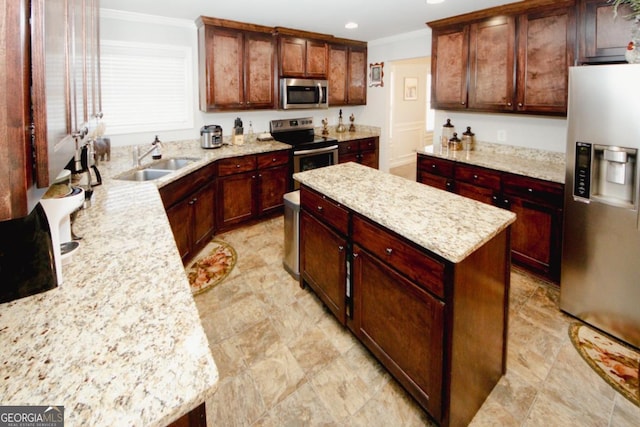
{"points": [[349, 147], [436, 166], [393, 251], [546, 192], [275, 158], [368, 144], [236, 165], [325, 209], [478, 176]]}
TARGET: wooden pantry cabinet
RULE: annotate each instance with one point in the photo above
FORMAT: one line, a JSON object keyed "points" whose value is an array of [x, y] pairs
{"points": [[237, 65], [347, 72], [536, 236], [512, 59], [251, 187]]}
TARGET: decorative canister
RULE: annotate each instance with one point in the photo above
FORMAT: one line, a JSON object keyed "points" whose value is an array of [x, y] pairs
{"points": [[468, 139], [447, 133], [455, 144]]}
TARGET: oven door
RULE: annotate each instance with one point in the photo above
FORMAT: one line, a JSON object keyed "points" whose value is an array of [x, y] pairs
{"points": [[304, 160]]}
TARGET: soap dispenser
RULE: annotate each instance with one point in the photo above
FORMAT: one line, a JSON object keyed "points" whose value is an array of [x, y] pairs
{"points": [[157, 152]]}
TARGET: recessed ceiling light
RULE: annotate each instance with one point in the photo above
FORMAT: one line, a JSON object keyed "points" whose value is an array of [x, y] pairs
{"points": [[434, 1], [351, 25]]}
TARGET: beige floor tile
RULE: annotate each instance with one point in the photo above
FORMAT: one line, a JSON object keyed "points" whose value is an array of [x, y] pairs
{"points": [[313, 351], [301, 408], [236, 402], [258, 342]]}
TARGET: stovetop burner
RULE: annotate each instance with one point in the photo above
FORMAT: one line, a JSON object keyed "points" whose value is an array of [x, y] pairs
{"points": [[299, 133]]}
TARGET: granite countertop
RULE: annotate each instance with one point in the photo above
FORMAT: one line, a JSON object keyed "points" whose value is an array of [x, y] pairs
{"points": [[444, 223], [119, 342], [541, 164], [361, 132]]}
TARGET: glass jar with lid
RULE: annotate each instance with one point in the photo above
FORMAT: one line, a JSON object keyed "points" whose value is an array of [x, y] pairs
{"points": [[447, 133]]}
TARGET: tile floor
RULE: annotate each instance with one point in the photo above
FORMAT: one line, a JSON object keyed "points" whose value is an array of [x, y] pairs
{"points": [[284, 361]]}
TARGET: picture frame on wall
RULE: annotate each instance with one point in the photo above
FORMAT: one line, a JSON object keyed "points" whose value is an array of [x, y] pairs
{"points": [[410, 88], [376, 74]]}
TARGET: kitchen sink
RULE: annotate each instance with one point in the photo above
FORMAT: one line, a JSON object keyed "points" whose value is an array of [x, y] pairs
{"points": [[157, 169], [174, 163], [144, 174]]}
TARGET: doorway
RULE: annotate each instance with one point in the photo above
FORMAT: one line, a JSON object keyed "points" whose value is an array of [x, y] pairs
{"points": [[411, 119]]}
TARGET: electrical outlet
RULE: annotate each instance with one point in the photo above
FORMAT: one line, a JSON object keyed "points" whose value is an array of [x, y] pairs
{"points": [[502, 135]]}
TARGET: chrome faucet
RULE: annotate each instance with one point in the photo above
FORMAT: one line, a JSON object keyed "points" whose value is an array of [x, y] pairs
{"points": [[155, 149]]}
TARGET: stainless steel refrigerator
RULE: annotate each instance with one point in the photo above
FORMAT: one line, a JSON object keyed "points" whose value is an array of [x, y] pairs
{"points": [[600, 279]]}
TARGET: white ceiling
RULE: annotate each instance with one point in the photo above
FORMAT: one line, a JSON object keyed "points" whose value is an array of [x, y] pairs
{"points": [[376, 18]]}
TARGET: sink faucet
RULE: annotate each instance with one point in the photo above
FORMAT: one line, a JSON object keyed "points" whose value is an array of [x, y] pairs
{"points": [[155, 149]]}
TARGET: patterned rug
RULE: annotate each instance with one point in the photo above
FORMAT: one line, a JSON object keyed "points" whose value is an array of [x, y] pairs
{"points": [[617, 363], [211, 267]]}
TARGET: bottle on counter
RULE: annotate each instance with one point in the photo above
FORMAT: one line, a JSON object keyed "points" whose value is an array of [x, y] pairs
{"points": [[447, 133], [468, 139]]}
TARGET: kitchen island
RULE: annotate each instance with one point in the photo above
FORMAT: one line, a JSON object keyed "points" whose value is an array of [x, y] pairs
{"points": [[420, 276], [119, 342]]}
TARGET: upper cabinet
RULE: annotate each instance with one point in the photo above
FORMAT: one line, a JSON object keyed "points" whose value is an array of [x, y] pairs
{"points": [[511, 59], [236, 65], [347, 73], [301, 56], [603, 37], [52, 98]]}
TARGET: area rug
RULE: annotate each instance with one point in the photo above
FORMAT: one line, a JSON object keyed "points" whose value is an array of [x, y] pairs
{"points": [[617, 363], [211, 266]]}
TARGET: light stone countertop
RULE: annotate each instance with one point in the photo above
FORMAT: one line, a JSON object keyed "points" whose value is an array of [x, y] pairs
{"points": [[444, 223], [120, 341], [541, 164]]}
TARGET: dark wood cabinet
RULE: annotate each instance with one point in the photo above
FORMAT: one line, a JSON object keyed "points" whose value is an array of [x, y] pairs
{"points": [[363, 151], [536, 236], [190, 206], [195, 418], [491, 64], [300, 56], [403, 326], [347, 73], [250, 187], [512, 59], [323, 250], [236, 65], [602, 36], [449, 67]]}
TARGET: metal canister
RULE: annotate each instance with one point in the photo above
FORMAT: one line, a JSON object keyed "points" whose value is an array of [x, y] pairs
{"points": [[468, 139], [455, 144]]}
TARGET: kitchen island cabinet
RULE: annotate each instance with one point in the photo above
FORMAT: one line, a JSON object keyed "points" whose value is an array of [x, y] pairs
{"points": [[427, 281]]}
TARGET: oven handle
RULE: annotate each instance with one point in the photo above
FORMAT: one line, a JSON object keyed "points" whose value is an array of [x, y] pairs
{"points": [[315, 150]]}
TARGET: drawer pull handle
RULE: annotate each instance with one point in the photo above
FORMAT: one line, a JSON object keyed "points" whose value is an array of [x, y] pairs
{"points": [[237, 165], [356, 255], [320, 208], [475, 176], [433, 166], [530, 190], [340, 248], [388, 251]]}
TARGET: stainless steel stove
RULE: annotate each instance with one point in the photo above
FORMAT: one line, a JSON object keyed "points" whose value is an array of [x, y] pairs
{"points": [[310, 151]]}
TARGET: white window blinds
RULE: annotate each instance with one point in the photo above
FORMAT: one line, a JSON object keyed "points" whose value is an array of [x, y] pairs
{"points": [[146, 87]]}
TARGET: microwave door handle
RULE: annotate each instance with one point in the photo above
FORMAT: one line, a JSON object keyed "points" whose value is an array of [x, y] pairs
{"points": [[320, 93]]}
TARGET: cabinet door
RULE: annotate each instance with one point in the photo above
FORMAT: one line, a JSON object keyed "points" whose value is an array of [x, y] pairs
{"points": [[492, 62], [203, 204], [235, 198], [402, 325], [323, 263], [436, 181], [357, 76], [180, 218], [449, 68], [273, 184], [546, 51], [536, 237], [338, 62], [603, 38], [224, 80], [293, 57], [316, 59], [260, 71]]}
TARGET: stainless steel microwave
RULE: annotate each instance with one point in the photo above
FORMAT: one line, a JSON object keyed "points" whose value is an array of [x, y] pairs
{"points": [[303, 93]]}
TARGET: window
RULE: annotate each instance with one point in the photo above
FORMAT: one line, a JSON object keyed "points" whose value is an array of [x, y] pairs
{"points": [[146, 87]]}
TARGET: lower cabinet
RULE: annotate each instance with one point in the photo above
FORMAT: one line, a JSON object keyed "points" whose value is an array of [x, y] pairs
{"points": [[190, 206], [363, 151], [196, 418], [536, 236], [251, 186], [402, 325]]}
